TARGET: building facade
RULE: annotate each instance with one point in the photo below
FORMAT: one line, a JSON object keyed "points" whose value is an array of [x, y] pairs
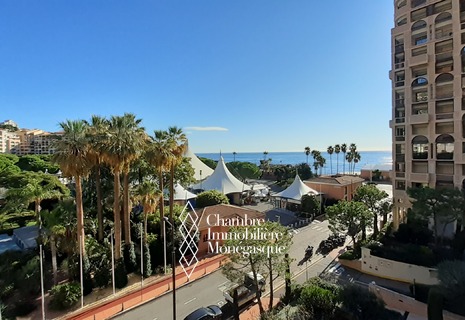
{"points": [[428, 105]]}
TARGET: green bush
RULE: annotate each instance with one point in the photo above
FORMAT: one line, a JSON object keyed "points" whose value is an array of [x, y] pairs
{"points": [[121, 276], [211, 198], [130, 257], [407, 253], [87, 278], [64, 296], [320, 302], [28, 277], [349, 255]]}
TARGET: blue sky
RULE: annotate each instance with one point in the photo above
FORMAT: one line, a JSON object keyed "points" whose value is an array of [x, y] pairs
{"points": [[236, 75]]}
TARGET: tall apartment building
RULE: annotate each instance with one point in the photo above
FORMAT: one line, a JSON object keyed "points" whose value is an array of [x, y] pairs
{"points": [[428, 100], [8, 141]]}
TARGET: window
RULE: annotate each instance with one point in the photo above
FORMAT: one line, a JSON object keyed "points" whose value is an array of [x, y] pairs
{"points": [[420, 147], [421, 40], [420, 97]]}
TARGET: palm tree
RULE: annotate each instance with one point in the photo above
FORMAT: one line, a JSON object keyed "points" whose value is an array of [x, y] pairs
{"points": [[61, 231], [120, 147], [316, 154], [96, 130], [337, 150], [344, 150], [265, 153], [178, 146], [234, 154], [330, 151], [357, 157], [349, 158], [321, 162], [352, 150], [72, 155], [307, 152], [135, 142], [158, 155], [148, 196]]}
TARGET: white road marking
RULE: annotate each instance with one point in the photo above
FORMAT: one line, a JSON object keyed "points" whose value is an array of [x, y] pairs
{"points": [[189, 301]]}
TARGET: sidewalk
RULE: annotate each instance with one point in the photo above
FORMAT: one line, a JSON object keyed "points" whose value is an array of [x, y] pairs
{"points": [[103, 304]]}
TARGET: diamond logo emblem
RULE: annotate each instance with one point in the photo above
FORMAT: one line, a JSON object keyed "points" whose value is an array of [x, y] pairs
{"points": [[189, 233]]}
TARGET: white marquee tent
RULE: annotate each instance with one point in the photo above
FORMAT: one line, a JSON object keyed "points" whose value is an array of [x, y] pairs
{"points": [[222, 180], [182, 194], [296, 190], [202, 171]]}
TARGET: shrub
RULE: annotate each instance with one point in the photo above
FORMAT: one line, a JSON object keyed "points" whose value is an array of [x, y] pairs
{"points": [[87, 278], [130, 257], [64, 296], [349, 255], [121, 276], [320, 302], [413, 233], [407, 253], [211, 198], [28, 277]]}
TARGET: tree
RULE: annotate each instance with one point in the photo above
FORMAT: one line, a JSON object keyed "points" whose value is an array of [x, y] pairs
{"points": [[158, 155], [177, 147], [348, 217], [372, 197], [307, 152], [362, 304], [320, 302], [8, 164], [36, 163], [442, 205], [257, 261], [330, 151], [148, 196], [211, 198], [244, 170], [344, 150], [265, 153], [234, 155], [310, 206], [95, 133], [337, 150], [34, 191], [72, 155], [316, 157], [276, 263], [209, 162]]}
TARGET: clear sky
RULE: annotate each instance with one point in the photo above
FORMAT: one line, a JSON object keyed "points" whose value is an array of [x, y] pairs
{"points": [[236, 75]]}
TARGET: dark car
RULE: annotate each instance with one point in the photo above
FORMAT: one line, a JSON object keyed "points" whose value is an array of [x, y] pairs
{"points": [[210, 312]]}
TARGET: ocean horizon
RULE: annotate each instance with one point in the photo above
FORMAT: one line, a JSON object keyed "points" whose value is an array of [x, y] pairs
{"points": [[368, 158]]}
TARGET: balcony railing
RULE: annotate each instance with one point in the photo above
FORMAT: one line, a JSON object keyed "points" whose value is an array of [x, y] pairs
{"points": [[445, 156], [400, 138], [400, 120], [416, 3], [399, 48], [400, 83], [400, 174], [443, 116], [400, 157], [399, 65], [400, 103]]}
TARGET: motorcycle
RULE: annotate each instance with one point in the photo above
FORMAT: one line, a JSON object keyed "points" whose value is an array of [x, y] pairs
{"points": [[308, 252]]}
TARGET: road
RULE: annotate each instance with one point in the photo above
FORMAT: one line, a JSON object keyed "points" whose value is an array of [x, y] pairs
{"points": [[207, 291]]}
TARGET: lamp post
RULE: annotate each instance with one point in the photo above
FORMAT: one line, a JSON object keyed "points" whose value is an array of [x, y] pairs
{"points": [[173, 264], [164, 244]]}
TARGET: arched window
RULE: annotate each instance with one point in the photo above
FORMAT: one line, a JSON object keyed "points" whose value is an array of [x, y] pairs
{"points": [[445, 147], [420, 81], [401, 3], [401, 21], [420, 147], [445, 77], [419, 25], [445, 16], [444, 86]]}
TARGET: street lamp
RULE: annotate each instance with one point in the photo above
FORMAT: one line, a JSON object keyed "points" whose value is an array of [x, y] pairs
{"points": [[173, 264]]}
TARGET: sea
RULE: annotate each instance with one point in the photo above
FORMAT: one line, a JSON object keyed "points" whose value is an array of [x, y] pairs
{"points": [[368, 159]]}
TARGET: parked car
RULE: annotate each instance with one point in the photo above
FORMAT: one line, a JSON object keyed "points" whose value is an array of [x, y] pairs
{"points": [[211, 313]]}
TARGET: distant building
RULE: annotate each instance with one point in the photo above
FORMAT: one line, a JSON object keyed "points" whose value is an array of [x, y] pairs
{"points": [[9, 123], [375, 172], [335, 187], [8, 141]]}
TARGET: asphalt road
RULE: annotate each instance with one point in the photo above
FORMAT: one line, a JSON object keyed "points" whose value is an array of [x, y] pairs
{"points": [[207, 291]]}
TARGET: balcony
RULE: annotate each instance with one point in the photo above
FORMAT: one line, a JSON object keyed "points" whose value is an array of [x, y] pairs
{"points": [[400, 120], [400, 174], [400, 157], [399, 65], [400, 138], [445, 177], [400, 103], [419, 59], [399, 48], [419, 118], [400, 83], [445, 156], [444, 116], [419, 177]]}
